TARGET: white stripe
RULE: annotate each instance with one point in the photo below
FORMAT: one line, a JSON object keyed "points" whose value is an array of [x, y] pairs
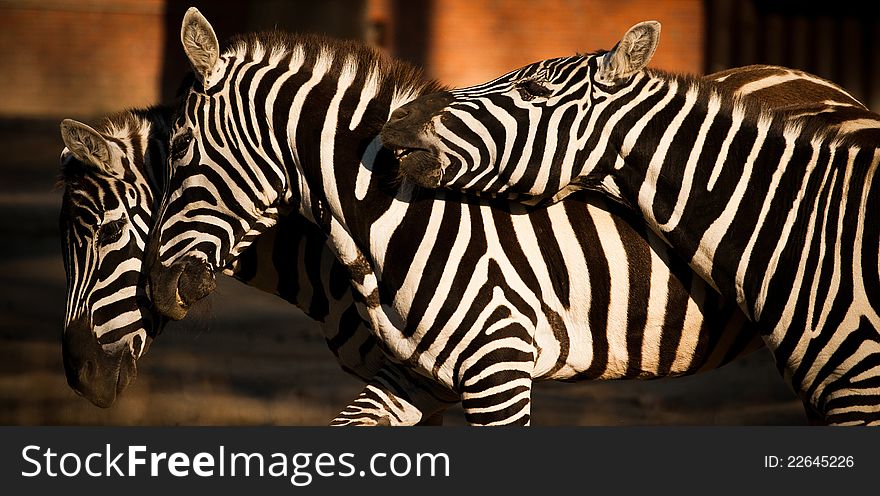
{"points": [[691, 329], [765, 82], [550, 149], [365, 169], [510, 131], [328, 136], [632, 136], [704, 258], [368, 92], [736, 121], [684, 194], [651, 88], [656, 313], [648, 189], [790, 135], [856, 125], [405, 295], [117, 322], [785, 319], [618, 305]]}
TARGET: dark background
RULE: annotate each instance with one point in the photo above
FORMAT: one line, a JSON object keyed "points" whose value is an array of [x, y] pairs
{"points": [[250, 358]]}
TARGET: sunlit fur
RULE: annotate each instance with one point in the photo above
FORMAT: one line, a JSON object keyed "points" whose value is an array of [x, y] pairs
{"points": [[774, 209], [480, 298], [105, 284], [104, 225]]}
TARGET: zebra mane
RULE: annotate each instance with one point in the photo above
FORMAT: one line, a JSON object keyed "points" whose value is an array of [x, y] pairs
{"points": [[268, 44], [756, 110], [153, 121]]}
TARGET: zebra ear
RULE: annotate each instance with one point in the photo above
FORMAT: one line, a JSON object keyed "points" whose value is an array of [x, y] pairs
{"points": [[631, 54], [87, 145], [200, 44]]}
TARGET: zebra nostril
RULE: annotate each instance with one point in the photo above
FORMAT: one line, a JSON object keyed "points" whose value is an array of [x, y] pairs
{"points": [[399, 114], [87, 372]]}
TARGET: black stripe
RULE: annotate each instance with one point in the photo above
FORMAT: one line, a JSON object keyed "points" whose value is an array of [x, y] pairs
{"points": [[600, 288]]}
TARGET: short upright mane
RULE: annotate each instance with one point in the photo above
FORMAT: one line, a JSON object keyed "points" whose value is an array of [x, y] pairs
{"points": [[754, 109], [151, 121], [400, 74]]}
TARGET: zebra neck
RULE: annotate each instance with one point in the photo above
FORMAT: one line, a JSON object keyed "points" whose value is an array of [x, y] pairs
{"points": [[338, 174], [735, 190]]}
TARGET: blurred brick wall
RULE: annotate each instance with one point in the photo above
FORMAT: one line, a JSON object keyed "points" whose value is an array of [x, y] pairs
{"points": [[86, 58], [78, 58], [83, 58], [471, 41]]}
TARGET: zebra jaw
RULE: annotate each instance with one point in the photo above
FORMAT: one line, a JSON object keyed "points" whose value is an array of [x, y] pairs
{"points": [[421, 167]]}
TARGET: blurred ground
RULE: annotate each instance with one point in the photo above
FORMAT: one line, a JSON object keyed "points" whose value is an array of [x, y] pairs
{"points": [[253, 359]]}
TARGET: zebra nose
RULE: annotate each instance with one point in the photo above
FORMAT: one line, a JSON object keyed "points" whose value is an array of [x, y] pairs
{"points": [[93, 373]]}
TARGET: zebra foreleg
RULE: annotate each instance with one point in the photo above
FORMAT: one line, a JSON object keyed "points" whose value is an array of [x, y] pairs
{"points": [[496, 389], [394, 397]]}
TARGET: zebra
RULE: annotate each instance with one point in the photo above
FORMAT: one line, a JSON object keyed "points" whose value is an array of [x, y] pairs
{"points": [[146, 130], [774, 214], [111, 181], [480, 297]]}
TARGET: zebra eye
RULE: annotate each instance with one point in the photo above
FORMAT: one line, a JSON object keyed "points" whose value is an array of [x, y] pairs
{"points": [[530, 88], [111, 231], [181, 145]]}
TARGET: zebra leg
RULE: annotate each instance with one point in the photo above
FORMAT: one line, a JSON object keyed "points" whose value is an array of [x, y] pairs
{"points": [[496, 387], [395, 396]]}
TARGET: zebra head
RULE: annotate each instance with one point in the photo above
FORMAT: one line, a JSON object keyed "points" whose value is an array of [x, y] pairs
{"points": [[108, 179], [496, 137], [214, 210]]}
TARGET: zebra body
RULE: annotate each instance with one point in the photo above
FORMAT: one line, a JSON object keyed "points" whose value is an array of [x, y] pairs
{"points": [[480, 297], [801, 97], [776, 214], [111, 181]]}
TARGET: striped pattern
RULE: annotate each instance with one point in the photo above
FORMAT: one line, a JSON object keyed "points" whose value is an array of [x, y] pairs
{"points": [[480, 297], [105, 219], [106, 215], [774, 211]]}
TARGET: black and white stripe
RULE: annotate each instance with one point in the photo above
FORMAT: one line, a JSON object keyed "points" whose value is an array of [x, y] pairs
{"points": [[480, 297], [776, 210], [111, 179]]}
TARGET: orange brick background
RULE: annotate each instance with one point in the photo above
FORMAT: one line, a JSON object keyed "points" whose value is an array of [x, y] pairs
{"points": [[472, 41], [79, 58], [85, 58], [90, 57]]}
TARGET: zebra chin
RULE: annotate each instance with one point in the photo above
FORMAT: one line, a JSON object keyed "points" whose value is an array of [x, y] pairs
{"points": [[91, 371], [422, 168], [176, 288]]}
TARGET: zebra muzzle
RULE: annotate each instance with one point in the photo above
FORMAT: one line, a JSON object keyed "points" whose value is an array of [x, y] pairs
{"points": [[176, 288], [95, 374], [409, 135]]}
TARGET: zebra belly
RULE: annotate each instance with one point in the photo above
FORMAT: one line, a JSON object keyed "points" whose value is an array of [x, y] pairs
{"points": [[590, 295], [635, 311]]}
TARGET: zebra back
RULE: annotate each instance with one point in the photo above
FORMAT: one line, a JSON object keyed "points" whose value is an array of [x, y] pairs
{"points": [[774, 209], [801, 96], [481, 297]]}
